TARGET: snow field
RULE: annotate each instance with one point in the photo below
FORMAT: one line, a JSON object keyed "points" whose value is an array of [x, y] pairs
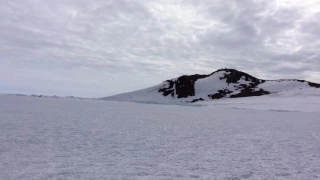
{"points": [[45, 138]]}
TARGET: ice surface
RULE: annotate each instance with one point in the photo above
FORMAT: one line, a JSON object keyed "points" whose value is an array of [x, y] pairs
{"points": [[44, 138]]}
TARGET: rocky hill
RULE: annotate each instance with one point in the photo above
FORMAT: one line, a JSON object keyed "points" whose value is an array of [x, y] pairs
{"points": [[223, 83]]}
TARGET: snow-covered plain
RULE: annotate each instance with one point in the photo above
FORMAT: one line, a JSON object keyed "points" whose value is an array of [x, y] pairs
{"points": [[270, 137]]}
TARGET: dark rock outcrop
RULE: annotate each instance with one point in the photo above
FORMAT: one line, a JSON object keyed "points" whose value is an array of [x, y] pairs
{"points": [[183, 86], [250, 92], [196, 100], [167, 88], [314, 84], [233, 76], [220, 94]]}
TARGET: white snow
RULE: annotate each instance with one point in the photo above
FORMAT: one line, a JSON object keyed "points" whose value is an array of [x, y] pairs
{"points": [[212, 84], [273, 102], [276, 86], [144, 95], [276, 137]]}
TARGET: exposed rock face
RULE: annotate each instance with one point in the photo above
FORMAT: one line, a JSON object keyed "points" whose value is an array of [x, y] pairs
{"points": [[183, 86], [220, 94], [250, 92], [196, 100], [233, 76], [168, 88], [314, 85]]}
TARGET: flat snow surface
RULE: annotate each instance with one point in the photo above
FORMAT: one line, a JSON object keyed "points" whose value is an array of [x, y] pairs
{"points": [[47, 138]]}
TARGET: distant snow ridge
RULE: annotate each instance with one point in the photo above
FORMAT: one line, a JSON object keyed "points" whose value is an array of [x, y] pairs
{"points": [[223, 83]]}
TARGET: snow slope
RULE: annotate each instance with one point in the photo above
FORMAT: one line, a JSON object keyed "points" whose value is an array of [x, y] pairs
{"points": [[244, 138], [225, 83], [145, 95], [280, 103]]}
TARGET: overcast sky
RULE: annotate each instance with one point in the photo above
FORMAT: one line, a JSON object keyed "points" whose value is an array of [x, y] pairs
{"points": [[104, 47]]}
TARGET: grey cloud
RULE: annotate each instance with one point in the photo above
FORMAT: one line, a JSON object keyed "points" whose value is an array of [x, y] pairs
{"points": [[112, 42]]}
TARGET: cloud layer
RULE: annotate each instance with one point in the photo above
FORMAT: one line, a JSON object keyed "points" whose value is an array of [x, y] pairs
{"points": [[98, 48]]}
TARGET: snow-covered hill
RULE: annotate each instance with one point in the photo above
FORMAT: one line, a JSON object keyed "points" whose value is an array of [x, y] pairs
{"points": [[223, 83]]}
